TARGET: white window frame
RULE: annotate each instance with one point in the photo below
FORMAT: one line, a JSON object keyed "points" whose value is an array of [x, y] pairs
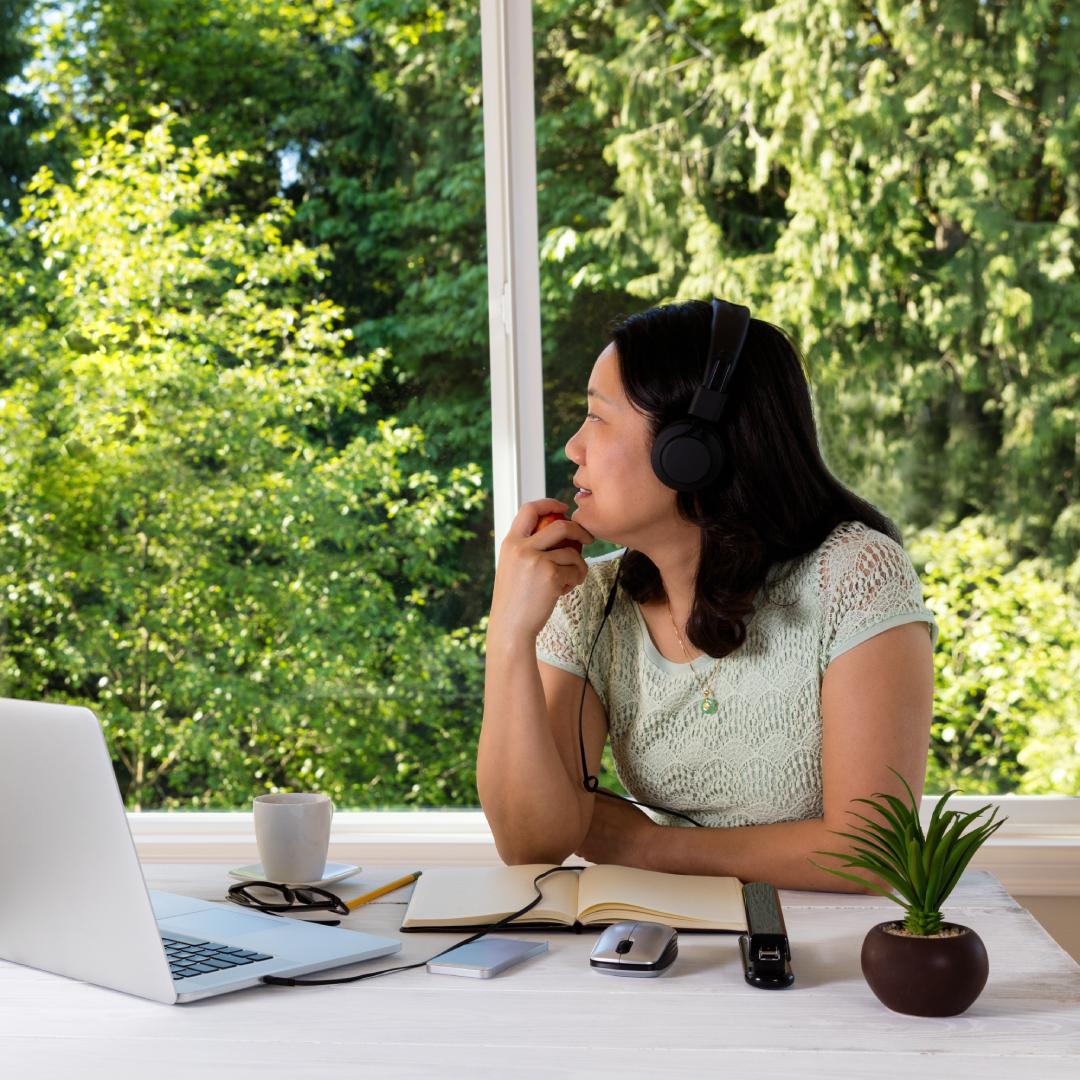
{"points": [[517, 387], [1037, 852]]}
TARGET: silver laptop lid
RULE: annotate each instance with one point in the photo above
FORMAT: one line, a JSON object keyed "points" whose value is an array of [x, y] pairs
{"points": [[72, 895]]}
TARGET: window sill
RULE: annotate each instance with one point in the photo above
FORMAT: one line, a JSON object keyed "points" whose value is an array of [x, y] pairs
{"points": [[1035, 853], [365, 837]]}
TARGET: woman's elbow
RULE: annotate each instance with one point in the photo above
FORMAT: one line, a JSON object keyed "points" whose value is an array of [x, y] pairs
{"points": [[518, 847], [525, 853]]}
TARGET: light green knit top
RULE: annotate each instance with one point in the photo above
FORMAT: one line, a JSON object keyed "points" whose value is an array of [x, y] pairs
{"points": [[757, 760]]}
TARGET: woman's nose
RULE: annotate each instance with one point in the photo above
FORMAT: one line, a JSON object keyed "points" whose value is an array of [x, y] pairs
{"points": [[571, 448]]}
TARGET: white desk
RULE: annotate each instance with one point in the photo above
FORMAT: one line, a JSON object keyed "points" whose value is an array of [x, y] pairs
{"points": [[552, 1016]]}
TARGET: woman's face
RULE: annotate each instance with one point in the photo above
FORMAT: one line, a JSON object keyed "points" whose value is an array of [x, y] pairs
{"points": [[627, 503]]}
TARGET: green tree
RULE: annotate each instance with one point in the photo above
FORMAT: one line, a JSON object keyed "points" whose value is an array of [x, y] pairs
{"points": [[373, 109], [202, 532], [896, 184], [21, 114], [1007, 665]]}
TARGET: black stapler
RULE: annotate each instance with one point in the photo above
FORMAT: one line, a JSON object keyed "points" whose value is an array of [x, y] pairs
{"points": [[765, 951]]}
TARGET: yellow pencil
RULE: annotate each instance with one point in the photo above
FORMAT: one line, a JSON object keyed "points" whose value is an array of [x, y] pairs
{"points": [[383, 890]]}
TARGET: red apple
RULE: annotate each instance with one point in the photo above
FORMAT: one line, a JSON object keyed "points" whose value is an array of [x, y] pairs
{"points": [[547, 520]]}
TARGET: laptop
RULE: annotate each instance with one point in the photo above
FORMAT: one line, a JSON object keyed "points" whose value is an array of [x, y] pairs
{"points": [[73, 900]]}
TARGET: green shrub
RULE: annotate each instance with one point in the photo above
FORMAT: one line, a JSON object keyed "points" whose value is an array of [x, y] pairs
{"points": [[1005, 715], [203, 535]]}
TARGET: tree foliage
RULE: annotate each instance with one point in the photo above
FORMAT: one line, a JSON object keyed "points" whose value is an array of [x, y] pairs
{"points": [[1007, 665], [21, 114], [244, 371], [898, 186], [204, 533]]}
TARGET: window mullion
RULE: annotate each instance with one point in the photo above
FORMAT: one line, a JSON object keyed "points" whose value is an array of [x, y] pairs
{"points": [[517, 407]]}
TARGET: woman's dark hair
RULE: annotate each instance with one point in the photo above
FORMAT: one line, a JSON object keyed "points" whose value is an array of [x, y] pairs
{"points": [[777, 500]]}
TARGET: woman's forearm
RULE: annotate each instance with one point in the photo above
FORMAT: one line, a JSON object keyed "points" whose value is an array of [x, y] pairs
{"points": [[535, 810], [777, 853]]}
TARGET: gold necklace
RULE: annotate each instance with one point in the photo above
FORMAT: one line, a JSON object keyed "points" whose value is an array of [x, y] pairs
{"points": [[709, 704]]}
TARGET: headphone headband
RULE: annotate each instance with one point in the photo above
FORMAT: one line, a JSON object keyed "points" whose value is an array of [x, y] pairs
{"points": [[730, 322]]}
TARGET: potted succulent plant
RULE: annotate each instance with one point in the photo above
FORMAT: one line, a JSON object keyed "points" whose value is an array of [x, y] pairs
{"points": [[920, 965]]}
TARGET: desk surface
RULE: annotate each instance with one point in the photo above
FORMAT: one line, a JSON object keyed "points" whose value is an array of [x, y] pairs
{"points": [[553, 1016]]}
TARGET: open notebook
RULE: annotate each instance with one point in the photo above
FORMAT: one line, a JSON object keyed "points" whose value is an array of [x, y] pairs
{"points": [[445, 899]]}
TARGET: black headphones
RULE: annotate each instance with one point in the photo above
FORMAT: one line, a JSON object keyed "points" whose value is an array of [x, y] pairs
{"points": [[687, 454]]}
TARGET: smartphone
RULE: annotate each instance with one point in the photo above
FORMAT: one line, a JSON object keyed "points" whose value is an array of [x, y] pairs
{"points": [[486, 957]]}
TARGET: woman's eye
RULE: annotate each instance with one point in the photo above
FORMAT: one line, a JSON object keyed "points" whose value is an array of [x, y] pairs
{"points": [[591, 416]]}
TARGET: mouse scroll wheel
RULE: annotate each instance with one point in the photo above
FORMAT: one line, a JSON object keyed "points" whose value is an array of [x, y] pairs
{"points": [[624, 946]]}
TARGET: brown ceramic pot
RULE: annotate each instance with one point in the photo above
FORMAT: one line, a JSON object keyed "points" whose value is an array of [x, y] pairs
{"points": [[925, 976]]}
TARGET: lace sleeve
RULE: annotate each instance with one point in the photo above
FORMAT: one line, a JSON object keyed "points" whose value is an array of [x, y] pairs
{"points": [[569, 633], [557, 643], [869, 586]]}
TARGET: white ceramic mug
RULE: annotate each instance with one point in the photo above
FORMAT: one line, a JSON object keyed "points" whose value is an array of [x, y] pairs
{"points": [[292, 832]]}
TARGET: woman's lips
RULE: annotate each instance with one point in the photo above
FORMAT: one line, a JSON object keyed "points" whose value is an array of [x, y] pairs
{"points": [[582, 493]]}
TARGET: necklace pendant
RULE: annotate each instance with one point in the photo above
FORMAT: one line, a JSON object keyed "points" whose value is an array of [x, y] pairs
{"points": [[709, 705]]}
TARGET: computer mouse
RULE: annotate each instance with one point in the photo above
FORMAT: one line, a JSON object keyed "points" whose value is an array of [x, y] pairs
{"points": [[638, 949]]}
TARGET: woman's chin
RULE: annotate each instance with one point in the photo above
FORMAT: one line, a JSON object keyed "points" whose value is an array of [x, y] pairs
{"points": [[582, 518], [600, 535]]}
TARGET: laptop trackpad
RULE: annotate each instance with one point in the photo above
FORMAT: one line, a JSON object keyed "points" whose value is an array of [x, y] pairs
{"points": [[167, 904], [282, 938], [222, 926]]}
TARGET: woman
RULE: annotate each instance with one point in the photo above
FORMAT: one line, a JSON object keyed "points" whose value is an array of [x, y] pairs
{"points": [[767, 658]]}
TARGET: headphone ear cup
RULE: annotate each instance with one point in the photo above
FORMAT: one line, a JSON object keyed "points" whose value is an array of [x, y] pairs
{"points": [[688, 455]]}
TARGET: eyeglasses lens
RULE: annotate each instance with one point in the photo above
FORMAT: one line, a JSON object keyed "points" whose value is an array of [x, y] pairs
{"points": [[272, 897]]}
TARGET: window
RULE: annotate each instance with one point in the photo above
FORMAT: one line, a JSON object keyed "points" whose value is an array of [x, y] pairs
{"points": [[252, 474], [245, 508]]}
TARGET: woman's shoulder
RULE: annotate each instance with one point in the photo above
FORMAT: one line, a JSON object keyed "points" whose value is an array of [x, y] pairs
{"points": [[851, 551], [854, 543], [604, 567], [578, 613], [583, 603], [601, 571], [859, 566]]}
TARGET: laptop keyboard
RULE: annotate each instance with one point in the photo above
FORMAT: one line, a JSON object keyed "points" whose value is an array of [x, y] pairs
{"points": [[190, 958]]}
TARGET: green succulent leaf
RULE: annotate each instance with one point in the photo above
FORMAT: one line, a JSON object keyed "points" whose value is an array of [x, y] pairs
{"points": [[935, 830], [933, 882], [890, 831], [916, 874], [894, 823], [922, 868], [880, 830], [859, 836], [858, 880], [967, 846], [897, 880], [914, 810]]}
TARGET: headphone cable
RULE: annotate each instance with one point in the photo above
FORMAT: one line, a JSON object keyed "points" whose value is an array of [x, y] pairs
{"points": [[589, 782]]}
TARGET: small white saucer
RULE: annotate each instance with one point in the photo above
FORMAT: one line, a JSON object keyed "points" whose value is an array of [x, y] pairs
{"points": [[332, 871]]}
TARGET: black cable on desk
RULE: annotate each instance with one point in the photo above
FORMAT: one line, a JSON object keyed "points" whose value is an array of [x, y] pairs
{"points": [[276, 980]]}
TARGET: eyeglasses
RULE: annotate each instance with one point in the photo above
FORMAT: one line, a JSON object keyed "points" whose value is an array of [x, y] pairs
{"points": [[274, 899]]}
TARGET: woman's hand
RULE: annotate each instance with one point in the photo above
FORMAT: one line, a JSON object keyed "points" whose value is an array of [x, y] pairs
{"points": [[533, 573], [620, 834]]}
